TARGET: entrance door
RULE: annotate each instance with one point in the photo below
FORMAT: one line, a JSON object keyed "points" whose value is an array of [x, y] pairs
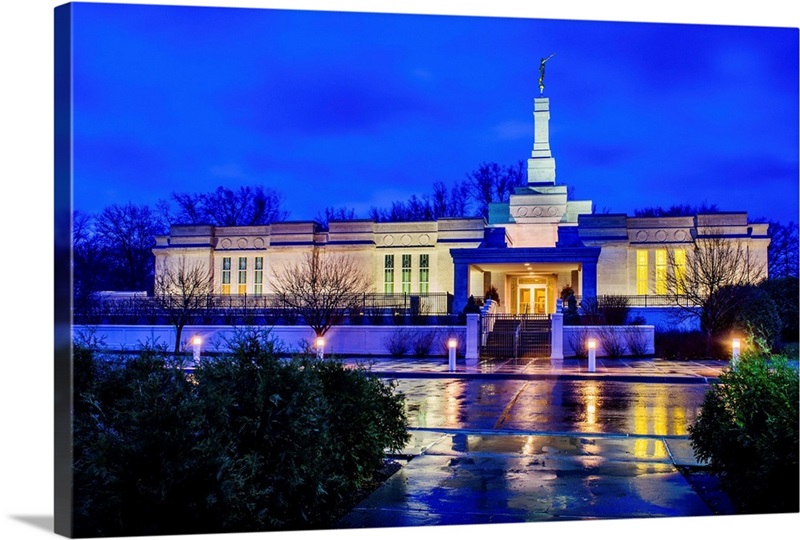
{"points": [[539, 300], [532, 299], [524, 300]]}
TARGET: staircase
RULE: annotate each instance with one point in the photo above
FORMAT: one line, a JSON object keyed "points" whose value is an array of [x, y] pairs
{"points": [[516, 337]]}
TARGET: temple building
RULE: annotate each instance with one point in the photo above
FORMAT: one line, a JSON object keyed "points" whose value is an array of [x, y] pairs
{"points": [[529, 249]]}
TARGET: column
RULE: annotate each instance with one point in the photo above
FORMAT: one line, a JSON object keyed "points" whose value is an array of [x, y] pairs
{"points": [[473, 338], [460, 286], [557, 336], [589, 270]]}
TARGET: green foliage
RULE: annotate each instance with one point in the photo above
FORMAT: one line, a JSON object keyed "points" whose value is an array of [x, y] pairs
{"points": [[757, 316], [246, 442], [785, 292], [747, 432]]}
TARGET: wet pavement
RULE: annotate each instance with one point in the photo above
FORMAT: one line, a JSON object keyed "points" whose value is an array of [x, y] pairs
{"points": [[506, 442], [487, 478], [648, 370]]}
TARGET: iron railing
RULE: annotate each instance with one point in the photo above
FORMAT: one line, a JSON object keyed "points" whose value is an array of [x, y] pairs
{"points": [[506, 336], [270, 309], [640, 300]]}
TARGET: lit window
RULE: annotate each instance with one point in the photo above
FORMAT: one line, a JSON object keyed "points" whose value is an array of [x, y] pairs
{"points": [[641, 271], [406, 274], [226, 275], [661, 271], [242, 275], [388, 274], [424, 274], [258, 287], [680, 270]]}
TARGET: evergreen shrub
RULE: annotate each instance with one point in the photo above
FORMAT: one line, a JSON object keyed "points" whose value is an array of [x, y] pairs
{"points": [[747, 432], [248, 441]]}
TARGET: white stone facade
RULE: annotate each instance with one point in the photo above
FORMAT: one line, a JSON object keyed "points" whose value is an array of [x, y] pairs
{"points": [[530, 248]]}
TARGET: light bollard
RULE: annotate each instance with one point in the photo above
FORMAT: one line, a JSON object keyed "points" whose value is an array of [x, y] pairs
{"points": [[592, 346], [319, 343], [197, 341], [452, 344], [735, 350]]}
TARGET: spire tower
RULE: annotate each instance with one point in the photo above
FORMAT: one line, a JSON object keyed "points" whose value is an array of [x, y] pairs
{"points": [[541, 164]]}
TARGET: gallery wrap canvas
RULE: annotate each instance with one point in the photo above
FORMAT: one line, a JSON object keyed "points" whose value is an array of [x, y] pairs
{"points": [[229, 134]]}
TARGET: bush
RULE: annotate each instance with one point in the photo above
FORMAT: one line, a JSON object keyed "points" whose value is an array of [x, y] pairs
{"points": [[613, 343], [577, 340], [608, 309], [247, 442], [398, 342], [422, 342], [784, 292], [756, 317], [637, 343], [747, 431]]}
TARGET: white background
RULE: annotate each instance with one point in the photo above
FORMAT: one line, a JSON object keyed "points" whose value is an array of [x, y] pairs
{"points": [[26, 209]]}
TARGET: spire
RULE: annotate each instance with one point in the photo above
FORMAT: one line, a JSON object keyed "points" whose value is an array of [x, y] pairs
{"points": [[541, 164]]}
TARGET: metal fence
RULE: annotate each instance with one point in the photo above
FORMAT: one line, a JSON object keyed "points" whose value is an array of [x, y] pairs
{"points": [[640, 300], [268, 309], [515, 336]]}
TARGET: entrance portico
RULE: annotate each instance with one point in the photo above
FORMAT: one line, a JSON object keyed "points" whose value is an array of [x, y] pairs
{"points": [[528, 280]]}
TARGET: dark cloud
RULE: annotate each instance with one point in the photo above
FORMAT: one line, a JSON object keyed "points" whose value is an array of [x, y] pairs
{"points": [[316, 102]]}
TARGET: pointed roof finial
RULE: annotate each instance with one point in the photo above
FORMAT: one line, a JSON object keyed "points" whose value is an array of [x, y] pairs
{"points": [[541, 73]]}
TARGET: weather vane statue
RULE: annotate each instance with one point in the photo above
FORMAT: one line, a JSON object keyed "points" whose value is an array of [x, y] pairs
{"points": [[541, 73]]}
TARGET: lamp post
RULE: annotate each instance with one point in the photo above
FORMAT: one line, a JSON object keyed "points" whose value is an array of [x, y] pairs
{"points": [[319, 343], [197, 341], [452, 344], [592, 346], [736, 347]]}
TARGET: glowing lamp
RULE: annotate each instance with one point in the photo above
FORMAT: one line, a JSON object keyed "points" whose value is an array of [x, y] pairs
{"points": [[196, 342], [319, 343], [736, 348], [592, 346], [452, 343]]}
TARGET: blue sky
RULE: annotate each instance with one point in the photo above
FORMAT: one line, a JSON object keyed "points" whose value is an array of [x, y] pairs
{"points": [[358, 110]]}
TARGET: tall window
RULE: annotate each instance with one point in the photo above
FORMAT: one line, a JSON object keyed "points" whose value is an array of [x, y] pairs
{"points": [[406, 274], [680, 269], [258, 284], [242, 275], [641, 271], [226, 275], [661, 271], [424, 274], [388, 274]]}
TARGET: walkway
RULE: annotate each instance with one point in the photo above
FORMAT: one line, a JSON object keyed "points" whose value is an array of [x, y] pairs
{"points": [[475, 475], [649, 370]]}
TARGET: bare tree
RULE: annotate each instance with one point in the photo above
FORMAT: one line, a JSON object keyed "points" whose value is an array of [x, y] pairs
{"points": [[181, 290], [322, 287], [783, 249], [705, 284], [127, 234], [227, 208], [491, 183]]}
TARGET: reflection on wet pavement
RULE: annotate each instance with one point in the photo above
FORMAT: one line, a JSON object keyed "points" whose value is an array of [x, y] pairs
{"points": [[465, 479], [585, 406]]}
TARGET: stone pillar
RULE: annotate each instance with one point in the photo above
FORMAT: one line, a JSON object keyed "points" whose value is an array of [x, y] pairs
{"points": [[557, 336], [589, 270], [473, 338], [460, 287]]}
